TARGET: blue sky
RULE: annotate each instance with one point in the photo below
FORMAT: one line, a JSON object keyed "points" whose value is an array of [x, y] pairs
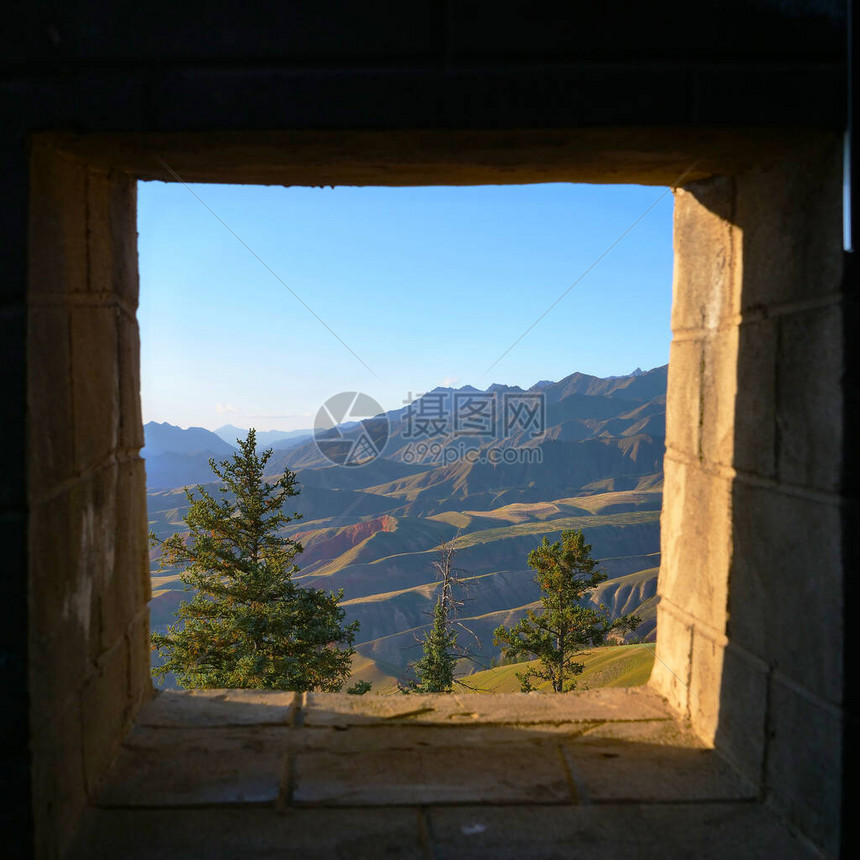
{"points": [[427, 286]]}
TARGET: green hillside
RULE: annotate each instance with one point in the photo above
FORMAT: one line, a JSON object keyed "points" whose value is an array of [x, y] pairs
{"points": [[610, 666]]}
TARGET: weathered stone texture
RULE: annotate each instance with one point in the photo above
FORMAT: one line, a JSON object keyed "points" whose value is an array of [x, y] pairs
{"points": [[804, 762], [105, 712], [253, 833], [738, 732], [417, 776], [88, 637], [221, 708], [671, 673], [95, 384], [59, 773], [808, 398], [790, 215], [706, 673], [186, 767], [719, 395], [785, 584], [684, 397], [648, 773], [706, 289], [618, 786], [131, 545], [139, 670], [341, 709], [707, 832], [130, 419], [52, 428], [58, 225], [751, 541], [695, 541], [112, 208], [754, 449]]}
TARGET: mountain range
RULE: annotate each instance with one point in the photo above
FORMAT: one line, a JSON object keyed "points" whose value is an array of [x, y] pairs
{"points": [[373, 529], [266, 438]]}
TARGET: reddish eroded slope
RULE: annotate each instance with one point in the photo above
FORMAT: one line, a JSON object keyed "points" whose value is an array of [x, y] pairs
{"points": [[328, 543]]}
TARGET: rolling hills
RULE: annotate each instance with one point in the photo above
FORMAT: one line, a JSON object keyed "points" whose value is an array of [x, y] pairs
{"points": [[610, 666], [373, 530]]}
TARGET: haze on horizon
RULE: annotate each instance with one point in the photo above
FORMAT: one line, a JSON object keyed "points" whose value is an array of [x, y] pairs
{"points": [[408, 289]]}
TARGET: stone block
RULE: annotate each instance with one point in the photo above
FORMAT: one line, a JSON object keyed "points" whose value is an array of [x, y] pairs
{"points": [[58, 224], [131, 557], [49, 398], [755, 406], [220, 708], [341, 709], [130, 421], [226, 834], [58, 669], [628, 770], [92, 557], [790, 216], [706, 281], [140, 675], [684, 397], [695, 542], [121, 592], [533, 774], [112, 211], [191, 767], [546, 832], [60, 608], [620, 703], [670, 676], [809, 398], [628, 832], [59, 793], [95, 387], [52, 568], [367, 738], [786, 585], [804, 762], [106, 713], [706, 670], [719, 383], [737, 706], [671, 733]]}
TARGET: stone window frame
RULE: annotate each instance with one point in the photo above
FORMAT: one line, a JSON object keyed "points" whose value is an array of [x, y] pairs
{"points": [[744, 193]]}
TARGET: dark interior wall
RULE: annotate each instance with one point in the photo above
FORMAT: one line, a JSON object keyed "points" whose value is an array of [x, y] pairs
{"points": [[98, 66], [119, 67]]}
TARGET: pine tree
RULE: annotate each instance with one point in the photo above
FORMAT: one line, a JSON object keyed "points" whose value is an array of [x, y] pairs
{"points": [[434, 671], [566, 573], [248, 623]]}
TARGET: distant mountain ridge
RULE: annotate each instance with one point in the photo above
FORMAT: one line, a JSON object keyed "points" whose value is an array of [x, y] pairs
{"points": [[266, 438], [175, 456], [167, 438]]}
